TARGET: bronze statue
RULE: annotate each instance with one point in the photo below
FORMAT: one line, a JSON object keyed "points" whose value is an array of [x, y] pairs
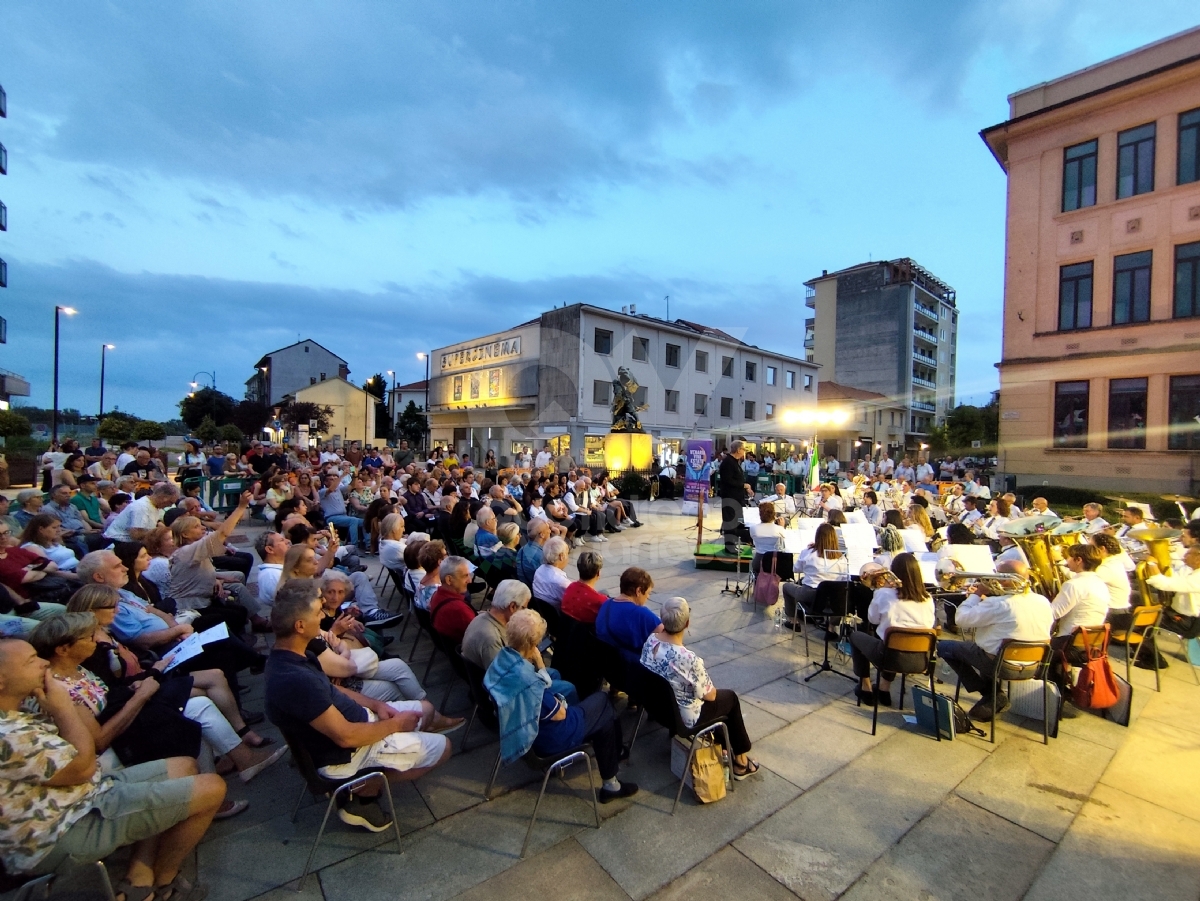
{"points": [[625, 408]]}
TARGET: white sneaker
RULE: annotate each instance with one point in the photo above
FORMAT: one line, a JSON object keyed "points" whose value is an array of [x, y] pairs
{"points": [[599, 538], [578, 542]]}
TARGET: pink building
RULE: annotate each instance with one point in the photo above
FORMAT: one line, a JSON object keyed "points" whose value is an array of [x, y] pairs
{"points": [[1100, 371]]}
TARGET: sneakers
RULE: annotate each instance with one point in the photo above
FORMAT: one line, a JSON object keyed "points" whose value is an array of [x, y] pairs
{"points": [[982, 711], [627, 790], [596, 538], [270, 759], [364, 813], [381, 619], [578, 542], [230, 809], [635, 525]]}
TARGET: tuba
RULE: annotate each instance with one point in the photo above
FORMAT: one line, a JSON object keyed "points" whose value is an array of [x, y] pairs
{"points": [[1158, 543], [1033, 535]]}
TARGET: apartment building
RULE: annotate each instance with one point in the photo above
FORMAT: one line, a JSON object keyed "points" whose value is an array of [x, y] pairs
{"points": [[285, 371], [889, 327], [1100, 371], [550, 380]]}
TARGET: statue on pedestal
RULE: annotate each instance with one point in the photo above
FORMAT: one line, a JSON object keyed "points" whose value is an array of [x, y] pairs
{"points": [[625, 408]]}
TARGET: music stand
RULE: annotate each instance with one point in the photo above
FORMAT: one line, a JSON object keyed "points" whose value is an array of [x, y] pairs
{"points": [[836, 603], [738, 588]]}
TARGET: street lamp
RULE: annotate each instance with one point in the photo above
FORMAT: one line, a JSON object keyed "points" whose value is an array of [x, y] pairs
{"points": [[70, 311], [104, 349], [212, 376], [366, 418], [424, 356], [392, 404]]}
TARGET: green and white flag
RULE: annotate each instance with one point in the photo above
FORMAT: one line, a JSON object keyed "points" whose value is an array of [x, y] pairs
{"points": [[814, 467]]}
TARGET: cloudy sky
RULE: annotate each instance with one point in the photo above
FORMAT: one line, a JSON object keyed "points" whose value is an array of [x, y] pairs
{"points": [[206, 182]]}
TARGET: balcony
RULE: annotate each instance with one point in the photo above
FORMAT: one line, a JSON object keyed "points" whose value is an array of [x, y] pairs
{"points": [[924, 383], [921, 335], [809, 333], [922, 405], [926, 359], [810, 298], [922, 310]]}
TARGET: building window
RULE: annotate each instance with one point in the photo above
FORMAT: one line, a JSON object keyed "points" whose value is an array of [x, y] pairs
{"points": [[769, 409], [1079, 176], [671, 401], [808, 383], [641, 349], [322, 376], [673, 356], [601, 393], [879, 417], [1070, 414], [727, 407], [1187, 280], [1135, 161], [1188, 169], [751, 371], [1131, 287], [1075, 297], [771, 375], [789, 379], [749, 409], [702, 361], [701, 406], [1183, 413], [3, 160], [726, 367], [3, 217], [603, 343], [1127, 413], [3, 274]]}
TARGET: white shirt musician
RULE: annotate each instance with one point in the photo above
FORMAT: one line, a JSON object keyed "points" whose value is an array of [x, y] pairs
{"points": [[886, 467]]}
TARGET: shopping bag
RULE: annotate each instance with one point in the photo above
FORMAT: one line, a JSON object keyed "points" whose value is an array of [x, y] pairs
{"points": [[708, 775]]}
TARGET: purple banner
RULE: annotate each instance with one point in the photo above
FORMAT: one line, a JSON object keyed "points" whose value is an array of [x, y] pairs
{"points": [[697, 462]]}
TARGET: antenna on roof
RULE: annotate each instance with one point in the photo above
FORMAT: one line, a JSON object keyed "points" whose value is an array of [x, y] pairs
{"points": [[668, 300]]}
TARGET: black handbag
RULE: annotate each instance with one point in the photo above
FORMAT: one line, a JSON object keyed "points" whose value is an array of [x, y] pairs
{"points": [[160, 730]]}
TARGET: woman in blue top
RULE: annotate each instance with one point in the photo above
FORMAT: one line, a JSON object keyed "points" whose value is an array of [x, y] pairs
{"points": [[624, 622], [562, 726]]}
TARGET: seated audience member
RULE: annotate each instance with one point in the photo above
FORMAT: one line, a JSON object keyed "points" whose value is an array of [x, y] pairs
{"points": [[160, 545], [137, 560], [29, 504], [58, 807], [449, 610], [21, 597], [550, 580], [485, 635], [343, 731], [77, 534], [486, 540], [141, 516], [272, 548], [117, 502], [1023, 616], [429, 556], [391, 542], [533, 716], [194, 584], [364, 593], [766, 534], [581, 601], [624, 621], [700, 702], [909, 607], [43, 536], [90, 504], [505, 554], [529, 557], [105, 469], [333, 508], [821, 561], [67, 641]]}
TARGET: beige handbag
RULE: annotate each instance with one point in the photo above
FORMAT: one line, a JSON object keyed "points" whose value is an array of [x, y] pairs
{"points": [[366, 662]]}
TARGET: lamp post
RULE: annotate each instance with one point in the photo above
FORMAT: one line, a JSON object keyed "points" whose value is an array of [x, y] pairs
{"points": [[366, 418], [212, 376], [70, 311], [424, 356], [392, 406], [104, 349]]}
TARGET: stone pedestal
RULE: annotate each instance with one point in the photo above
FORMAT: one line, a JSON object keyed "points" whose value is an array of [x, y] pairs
{"points": [[625, 451]]}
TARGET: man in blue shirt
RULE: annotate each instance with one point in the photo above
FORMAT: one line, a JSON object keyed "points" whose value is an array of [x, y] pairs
{"points": [[75, 529], [333, 506], [343, 731], [529, 557]]}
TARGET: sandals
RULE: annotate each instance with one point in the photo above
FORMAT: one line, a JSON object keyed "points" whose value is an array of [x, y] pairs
{"points": [[179, 889], [751, 769], [130, 892], [263, 740]]}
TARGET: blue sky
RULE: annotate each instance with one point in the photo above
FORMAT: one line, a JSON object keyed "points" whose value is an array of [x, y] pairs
{"points": [[207, 181]]}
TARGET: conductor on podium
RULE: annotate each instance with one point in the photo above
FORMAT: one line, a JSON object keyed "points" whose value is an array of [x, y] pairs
{"points": [[732, 492]]}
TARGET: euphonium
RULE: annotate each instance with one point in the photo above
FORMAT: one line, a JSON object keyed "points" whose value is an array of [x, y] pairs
{"points": [[1158, 543], [992, 583]]}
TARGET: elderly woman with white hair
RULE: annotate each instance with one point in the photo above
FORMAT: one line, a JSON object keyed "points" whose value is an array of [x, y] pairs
{"points": [[391, 542], [534, 715], [551, 580], [700, 702]]}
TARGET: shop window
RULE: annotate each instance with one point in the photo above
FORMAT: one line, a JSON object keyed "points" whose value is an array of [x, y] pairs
{"points": [[1127, 414]]}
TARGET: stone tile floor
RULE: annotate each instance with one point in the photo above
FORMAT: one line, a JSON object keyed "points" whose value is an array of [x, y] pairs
{"points": [[1103, 811]]}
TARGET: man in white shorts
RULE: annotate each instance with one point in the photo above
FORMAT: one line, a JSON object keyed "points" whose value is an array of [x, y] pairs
{"points": [[343, 731]]}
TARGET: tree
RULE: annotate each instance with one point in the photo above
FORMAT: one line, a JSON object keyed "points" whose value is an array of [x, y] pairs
{"points": [[149, 430], [250, 416], [208, 431], [206, 402], [938, 442], [116, 427], [14, 425], [293, 414], [376, 385], [230, 433], [412, 425]]}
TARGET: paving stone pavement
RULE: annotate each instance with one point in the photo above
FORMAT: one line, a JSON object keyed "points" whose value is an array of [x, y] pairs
{"points": [[1103, 811]]}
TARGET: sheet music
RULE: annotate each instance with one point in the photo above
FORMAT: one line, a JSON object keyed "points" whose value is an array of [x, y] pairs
{"points": [[854, 517], [928, 563], [913, 543], [973, 558], [858, 535]]}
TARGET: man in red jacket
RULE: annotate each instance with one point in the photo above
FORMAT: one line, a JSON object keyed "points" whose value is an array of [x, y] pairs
{"points": [[448, 607]]}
